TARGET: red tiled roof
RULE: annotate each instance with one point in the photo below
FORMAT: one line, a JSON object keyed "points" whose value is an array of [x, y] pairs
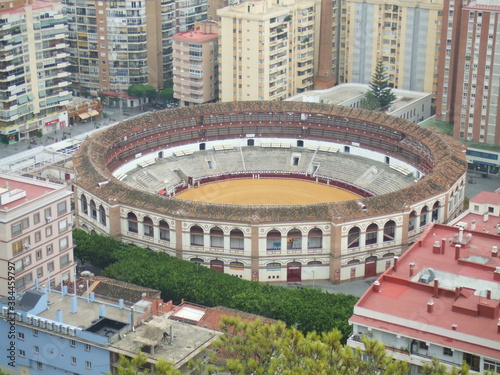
{"points": [[487, 197], [401, 304]]}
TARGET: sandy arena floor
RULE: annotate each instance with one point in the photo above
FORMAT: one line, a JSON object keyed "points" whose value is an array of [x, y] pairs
{"points": [[266, 192]]}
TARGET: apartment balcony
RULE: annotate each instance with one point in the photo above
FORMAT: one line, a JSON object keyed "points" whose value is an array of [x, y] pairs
{"points": [[62, 65]]}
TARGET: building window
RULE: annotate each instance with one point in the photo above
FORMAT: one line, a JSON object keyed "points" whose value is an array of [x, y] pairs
{"points": [[17, 228], [196, 236], [164, 231], [20, 335], [236, 240], [22, 353], [36, 349], [50, 266], [88, 365], [39, 272], [447, 351], [73, 360], [38, 236], [72, 343], [491, 210], [62, 208], [148, 227], [64, 260], [49, 249], [39, 366], [47, 214], [472, 360], [87, 347], [35, 332], [353, 238], [36, 218], [371, 234], [423, 345], [132, 223], [494, 367], [63, 226], [48, 231], [63, 243]]}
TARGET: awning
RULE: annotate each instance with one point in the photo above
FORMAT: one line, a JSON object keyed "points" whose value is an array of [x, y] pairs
{"points": [[94, 113], [84, 115]]}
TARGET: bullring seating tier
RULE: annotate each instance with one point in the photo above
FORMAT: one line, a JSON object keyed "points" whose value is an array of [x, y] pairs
{"points": [[373, 176], [440, 158]]}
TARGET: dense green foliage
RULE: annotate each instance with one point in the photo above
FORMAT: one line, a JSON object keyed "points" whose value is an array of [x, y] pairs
{"points": [[307, 309]]}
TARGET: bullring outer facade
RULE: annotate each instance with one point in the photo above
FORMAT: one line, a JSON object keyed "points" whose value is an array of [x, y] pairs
{"points": [[406, 177]]}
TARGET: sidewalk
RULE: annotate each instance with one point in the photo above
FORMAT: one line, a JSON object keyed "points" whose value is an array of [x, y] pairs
{"points": [[115, 115]]}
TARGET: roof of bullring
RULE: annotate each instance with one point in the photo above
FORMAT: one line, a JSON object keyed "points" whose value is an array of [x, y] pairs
{"points": [[91, 165]]}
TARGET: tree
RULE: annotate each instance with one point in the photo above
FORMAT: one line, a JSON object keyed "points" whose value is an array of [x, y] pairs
{"points": [[141, 91], [379, 86], [138, 366], [167, 93]]}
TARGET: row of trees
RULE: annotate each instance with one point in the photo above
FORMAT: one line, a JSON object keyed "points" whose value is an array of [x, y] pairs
{"points": [[307, 309], [267, 349]]}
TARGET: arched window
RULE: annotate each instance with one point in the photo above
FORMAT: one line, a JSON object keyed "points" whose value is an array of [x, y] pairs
{"points": [[423, 216], [315, 239], [389, 231], [294, 239], [354, 261], [132, 223], [412, 221], [371, 234], [164, 231], [353, 238], [273, 266], [148, 227], [102, 214], [388, 255], [93, 210], [236, 240], [196, 236], [83, 204], [315, 263], [435, 212], [273, 240], [216, 237], [196, 260], [236, 264]]}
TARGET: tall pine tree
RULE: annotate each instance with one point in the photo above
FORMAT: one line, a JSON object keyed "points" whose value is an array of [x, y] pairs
{"points": [[379, 86]]}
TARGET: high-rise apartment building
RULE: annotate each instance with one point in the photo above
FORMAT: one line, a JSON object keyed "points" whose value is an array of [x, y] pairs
{"points": [[268, 49], [35, 225], [195, 68], [118, 43], [468, 92], [404, 35], [33, 84]]}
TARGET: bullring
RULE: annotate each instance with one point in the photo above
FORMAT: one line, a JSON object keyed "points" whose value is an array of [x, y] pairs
{"points": [[406, 177]]}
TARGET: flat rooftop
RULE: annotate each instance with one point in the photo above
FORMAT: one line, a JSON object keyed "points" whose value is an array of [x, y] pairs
{"points": [[466, 294], [164, 338], [88, 313], [34, 189]]}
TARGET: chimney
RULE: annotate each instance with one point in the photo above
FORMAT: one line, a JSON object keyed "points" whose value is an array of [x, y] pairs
{"points": [[436, 249], [496, 274], [74, 305], [457, 292], [395, 267], [494, 251], [430, 305], [457, 251], [473, 225], [485, 217], [376, 287], [436, 288], [412, 267], [488, 293], [59, 317], [419, 243], [454, 327], [460, 234], [443, 244]]}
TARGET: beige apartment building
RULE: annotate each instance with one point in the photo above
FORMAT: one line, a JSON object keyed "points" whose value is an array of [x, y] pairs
{"points": [[35, 234], [33, 80], [195, 64], [268, 49], [468, 86], [405, 35]]}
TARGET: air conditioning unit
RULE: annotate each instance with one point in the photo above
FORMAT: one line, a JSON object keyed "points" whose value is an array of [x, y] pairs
{"points": [[43, 323], [48, 219], [71, 332], [64, 329], [57, 327], [29, 319], [5, 311], [19, 317], [50, 326], [26, 246], [36, 322]]}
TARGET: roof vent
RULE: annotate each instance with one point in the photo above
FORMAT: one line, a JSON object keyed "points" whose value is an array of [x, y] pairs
{"points": [[454, 327]]}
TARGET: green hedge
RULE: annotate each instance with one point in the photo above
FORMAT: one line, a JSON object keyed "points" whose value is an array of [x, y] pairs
{"points": [[308, 309]]}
